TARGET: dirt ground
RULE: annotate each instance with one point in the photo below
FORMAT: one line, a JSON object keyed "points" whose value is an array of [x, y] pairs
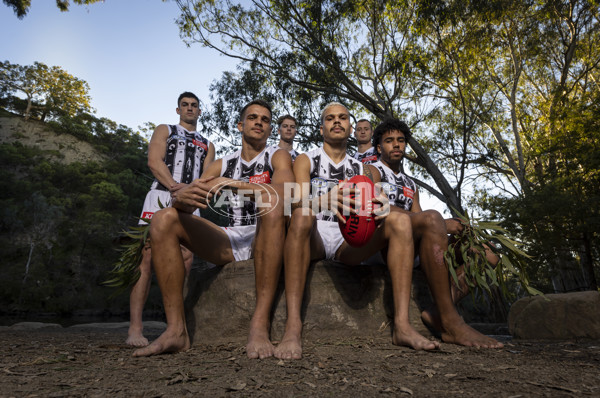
{"points": [[95, 362]]}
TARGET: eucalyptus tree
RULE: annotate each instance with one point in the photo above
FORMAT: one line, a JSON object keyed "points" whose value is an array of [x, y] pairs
{"points": [[363, 53], [511, 74], [21, 7], [49, 90], [490, 88]]}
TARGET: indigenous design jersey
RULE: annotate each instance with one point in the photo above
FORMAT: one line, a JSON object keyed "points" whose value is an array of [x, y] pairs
{"points": [[399, 188], [258, 170], [367, 157], [186, 151], [325, 174], [294, 154]]}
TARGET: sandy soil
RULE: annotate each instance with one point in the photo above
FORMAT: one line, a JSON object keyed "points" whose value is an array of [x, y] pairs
{"points": [[94, 362]]}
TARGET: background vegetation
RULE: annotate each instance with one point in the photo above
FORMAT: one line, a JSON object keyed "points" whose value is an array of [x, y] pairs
{"points": [[502, 96]]}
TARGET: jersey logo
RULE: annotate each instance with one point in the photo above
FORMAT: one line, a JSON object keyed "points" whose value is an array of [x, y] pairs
{"points": [[263, 178], [147, 214], [200, 144], [367, 159]]}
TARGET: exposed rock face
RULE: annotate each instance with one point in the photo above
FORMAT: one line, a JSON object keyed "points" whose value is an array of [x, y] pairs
{"points": [[556, 316], [63, 148], [339, 300]]}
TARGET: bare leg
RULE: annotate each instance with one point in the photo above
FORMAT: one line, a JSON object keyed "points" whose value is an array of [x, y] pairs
{"points": [[400, 255], [137, 299], [300, 243], [430, 231], [268, 257], [170, 228], [396, 234]]}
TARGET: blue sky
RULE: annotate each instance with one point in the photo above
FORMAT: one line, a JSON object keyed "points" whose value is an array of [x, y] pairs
{"points": [[128, 51]]}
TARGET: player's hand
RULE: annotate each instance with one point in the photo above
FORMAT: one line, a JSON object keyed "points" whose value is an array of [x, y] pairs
{"points": [[338, 201], [195, 195], [383, 210], [455, 226], [176, 187]]}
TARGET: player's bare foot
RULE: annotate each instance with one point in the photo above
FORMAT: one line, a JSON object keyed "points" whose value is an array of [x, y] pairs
{"points": [[431, 318], [259, 345], [462, 334], [458, 332], [290, 346], [167, 342], [136, 339], [406, 335]]}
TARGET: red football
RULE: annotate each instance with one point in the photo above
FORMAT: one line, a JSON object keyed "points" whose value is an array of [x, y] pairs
{"points": [[359, 228]]}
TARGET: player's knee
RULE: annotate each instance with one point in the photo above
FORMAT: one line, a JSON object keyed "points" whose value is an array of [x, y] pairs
{"points": [[271, 207], [400, 224], [433, 218], [163, 220], [301, 223]]}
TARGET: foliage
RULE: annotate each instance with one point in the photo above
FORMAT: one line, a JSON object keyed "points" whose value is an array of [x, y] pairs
{"points": [[500, 94], [467, 254], [21, 7], [61, 220], [126, 271], [49, 91]]}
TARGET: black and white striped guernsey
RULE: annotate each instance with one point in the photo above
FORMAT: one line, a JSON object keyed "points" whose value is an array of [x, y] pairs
{"points": [[186, 151], [399, 188], [325, 174], [258, 170], [367, 157]]}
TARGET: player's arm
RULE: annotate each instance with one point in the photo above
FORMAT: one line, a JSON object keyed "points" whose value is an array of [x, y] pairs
{"points": [[282, 172], [416, 205], [301, 171], [199, 193], [282, 167], [210, 156], [157, 150], [372, 172]]}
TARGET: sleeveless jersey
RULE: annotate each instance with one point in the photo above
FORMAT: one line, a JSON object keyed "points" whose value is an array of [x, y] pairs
{"points": [[399, 188], [258, 170], [292, 152], [186, 151], [367, 157], [325, 174]]}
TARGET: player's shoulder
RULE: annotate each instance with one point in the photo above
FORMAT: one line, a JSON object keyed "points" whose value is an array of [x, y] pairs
{"points": [[279, 154]]}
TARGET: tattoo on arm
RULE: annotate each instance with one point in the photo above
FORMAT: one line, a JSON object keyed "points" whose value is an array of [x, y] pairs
{"points": [[367, 172]]}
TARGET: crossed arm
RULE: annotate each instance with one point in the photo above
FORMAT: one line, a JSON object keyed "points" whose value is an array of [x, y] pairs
{"points": [[200, 192]]}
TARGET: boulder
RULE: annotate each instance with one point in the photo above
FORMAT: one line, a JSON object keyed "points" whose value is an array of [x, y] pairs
{"points": [[556, 316], [339, 300]]}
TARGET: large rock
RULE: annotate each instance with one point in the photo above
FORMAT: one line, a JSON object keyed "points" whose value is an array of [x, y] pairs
{"points": [[339, 300], [556, 316]]}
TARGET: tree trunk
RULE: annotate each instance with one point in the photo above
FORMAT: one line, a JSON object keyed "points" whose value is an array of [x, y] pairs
{"points": [[587, 263], [31, 246]]}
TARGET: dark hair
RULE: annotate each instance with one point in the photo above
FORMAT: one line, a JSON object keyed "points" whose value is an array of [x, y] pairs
{"points": [[260, 102], [387, 125], [187, 94], [364, 120], [282, 118]]}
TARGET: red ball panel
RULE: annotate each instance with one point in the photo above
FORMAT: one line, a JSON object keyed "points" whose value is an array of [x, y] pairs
{"points": [[359, 228]]}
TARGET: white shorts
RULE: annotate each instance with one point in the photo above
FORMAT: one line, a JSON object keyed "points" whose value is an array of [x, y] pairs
{"points": [[242, 241], [151, 205], [331, 236]]}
